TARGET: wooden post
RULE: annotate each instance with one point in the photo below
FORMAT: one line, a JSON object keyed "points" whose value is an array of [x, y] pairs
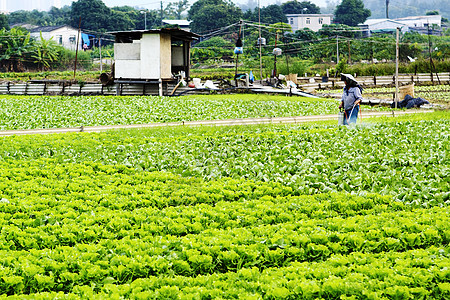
{"points": [[76, 50], [349, 53], [396, 65], [429, 53], [100, 52]]}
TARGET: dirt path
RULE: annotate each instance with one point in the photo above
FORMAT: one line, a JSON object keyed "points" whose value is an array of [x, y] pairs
{"points": [[228, 122]]}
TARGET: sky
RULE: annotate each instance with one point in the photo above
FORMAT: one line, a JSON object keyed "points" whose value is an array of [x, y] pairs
{"points": [[154, 4]]}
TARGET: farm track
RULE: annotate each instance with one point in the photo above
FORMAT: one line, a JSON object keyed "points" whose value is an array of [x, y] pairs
{"points": [[226, 122]]}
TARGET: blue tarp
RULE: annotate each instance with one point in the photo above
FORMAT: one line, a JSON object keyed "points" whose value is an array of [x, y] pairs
{"points": [[85, 39], [410, 102]]}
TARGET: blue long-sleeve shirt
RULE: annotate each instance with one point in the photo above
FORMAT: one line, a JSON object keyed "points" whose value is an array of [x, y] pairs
{"points": [[350, 97]]}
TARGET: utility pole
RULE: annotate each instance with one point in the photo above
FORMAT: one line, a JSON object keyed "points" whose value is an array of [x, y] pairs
{"points": [[396, 66], [145, 18], [387, 9], [349, 54], [161, 13], [337, 49], [275, 58], [239, 46], [260, 42]]}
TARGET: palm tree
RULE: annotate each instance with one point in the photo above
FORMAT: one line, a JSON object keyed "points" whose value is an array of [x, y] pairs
{"points": [[45, 52], [15, 45]]}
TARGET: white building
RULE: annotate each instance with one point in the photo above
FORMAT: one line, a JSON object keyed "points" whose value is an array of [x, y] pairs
{"points": [[311, 21], [421, 21], [383, 25], [64, 35], [417, 23]]}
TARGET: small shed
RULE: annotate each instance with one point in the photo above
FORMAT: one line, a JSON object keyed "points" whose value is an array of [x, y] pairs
{"points": [[151, 56]]}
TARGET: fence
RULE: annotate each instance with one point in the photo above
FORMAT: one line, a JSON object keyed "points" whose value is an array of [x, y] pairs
{"points": [[306, 83], [403, 79]]}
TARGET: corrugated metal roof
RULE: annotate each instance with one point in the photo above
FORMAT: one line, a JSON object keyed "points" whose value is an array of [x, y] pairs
{"points": [[50, 28], [177, 22], [176, 32]]}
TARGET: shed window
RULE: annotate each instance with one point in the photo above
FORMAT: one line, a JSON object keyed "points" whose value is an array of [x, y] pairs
{"points": [[291, 21], [320, 20], [308, 20]]}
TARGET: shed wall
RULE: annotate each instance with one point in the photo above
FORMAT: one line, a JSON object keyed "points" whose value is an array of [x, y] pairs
{"points": [[166, 56], [150, 56]]}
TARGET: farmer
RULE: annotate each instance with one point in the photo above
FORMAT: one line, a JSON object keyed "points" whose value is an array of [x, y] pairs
{"points": [[351, 98]]}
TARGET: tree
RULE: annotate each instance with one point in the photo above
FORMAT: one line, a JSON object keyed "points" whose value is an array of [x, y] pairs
{"points": [[120, 20], [94, 14], [4, 21], [60, 16], [294, 7], [351, 12], [306, 34], [270, 14], [432, 13], [339, 29], [175, 9], [211, 14], [139, 17]]}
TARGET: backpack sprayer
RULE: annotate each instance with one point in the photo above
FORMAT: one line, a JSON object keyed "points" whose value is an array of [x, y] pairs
{"points": [[342, 116]]}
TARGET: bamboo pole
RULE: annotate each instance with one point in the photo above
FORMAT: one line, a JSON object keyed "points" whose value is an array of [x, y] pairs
{"points": [[396, 66], [76, 51]]}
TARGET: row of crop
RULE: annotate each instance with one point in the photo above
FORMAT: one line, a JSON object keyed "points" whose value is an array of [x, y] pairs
{"points": [[18, 112], [439, 93], [409, 160], [418, 274], [55, 240]]}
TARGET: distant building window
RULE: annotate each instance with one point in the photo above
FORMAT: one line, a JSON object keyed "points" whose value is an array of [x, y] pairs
{"points": [[291, 21], [72, 39], [59, 39], [320, 20], [308, 21]]}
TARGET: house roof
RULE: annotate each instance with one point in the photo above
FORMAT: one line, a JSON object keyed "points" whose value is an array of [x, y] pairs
{"points": [[177, 22], [309, 15], [49, 28], [419, 18], [371, 22], [175, 32]]}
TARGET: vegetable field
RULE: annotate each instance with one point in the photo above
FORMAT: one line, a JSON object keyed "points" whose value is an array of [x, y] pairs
{"points": [[433, 93], [30, 112], [259, 212]]}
